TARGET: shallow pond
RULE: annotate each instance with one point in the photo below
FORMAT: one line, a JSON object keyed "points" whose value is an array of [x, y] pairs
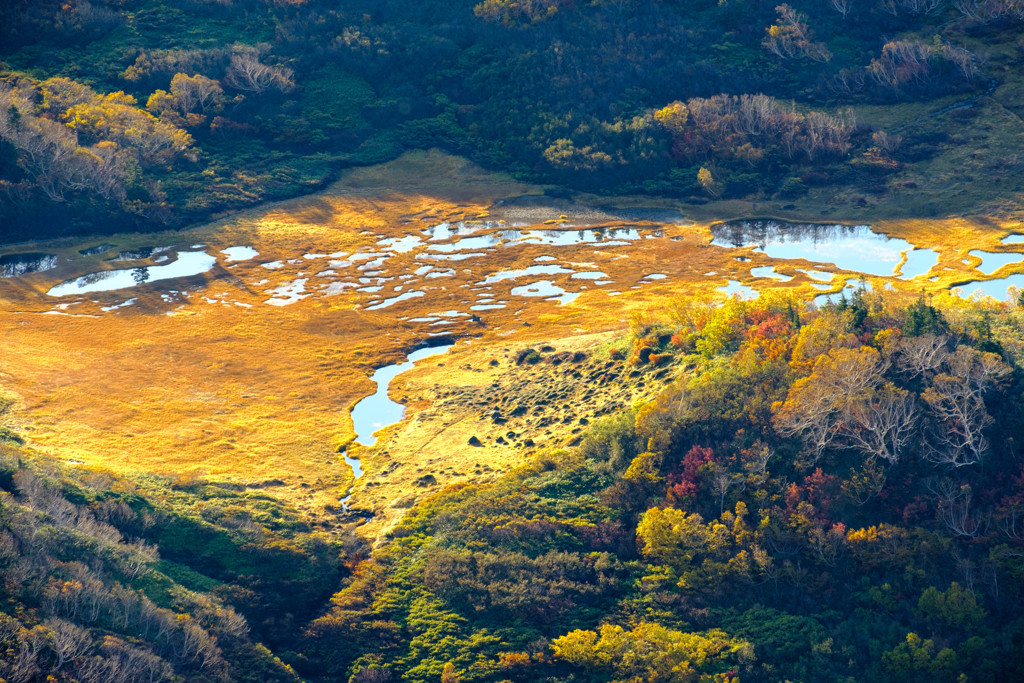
{"points": [[394, 300], [445, 231], [561, 238], [919, 262], [13, 265], [992, 261], [993, 288], [401, 245], [239, 253], [769, 271], [377, 411], [817, 274], [98, 249], [357, 468], [850, 247], [735, 287], [357, 472], [545, 288], [469, 243], [187, 264], [139, 254], [529, 270]]}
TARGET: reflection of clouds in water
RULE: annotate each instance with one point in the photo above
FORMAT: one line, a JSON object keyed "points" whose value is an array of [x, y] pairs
{"points": [[997, 289], [187, 264], [851, 247]]}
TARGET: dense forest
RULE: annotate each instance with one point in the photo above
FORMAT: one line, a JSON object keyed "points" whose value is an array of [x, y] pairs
{"points": [[142, 114], [821, 495]]}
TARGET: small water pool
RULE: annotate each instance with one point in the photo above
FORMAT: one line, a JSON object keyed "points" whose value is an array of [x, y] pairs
{"points": [[288, 293], [993, 261], [98, 249], [736, 288], [545, 288], [395, 299], [850, 247], [400, 245], [469, 243], [239, 253], [378, 411], [529, 270], [357, 467], [14, 265], [769, 272], [562, 238], [187, 264]]}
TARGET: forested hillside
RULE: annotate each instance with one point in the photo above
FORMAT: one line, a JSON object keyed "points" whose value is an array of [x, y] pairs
{"points": [[821, 495], [113, 580], [139, 114]]}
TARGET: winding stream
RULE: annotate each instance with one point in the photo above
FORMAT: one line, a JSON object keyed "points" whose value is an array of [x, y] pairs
{"points": [[377, 411]]}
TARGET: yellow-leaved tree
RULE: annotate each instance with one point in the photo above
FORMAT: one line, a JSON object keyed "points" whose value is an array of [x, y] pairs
{"points": [[651, 652]]}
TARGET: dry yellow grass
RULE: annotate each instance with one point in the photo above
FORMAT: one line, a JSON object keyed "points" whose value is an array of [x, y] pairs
{"points": [[216, 382]]}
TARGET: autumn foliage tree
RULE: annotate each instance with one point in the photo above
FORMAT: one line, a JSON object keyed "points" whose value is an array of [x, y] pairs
{"points": [[790, 37]]}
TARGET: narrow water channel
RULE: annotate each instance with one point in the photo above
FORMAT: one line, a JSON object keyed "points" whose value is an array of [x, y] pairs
{"points": [[378, 411], [375, 412]]}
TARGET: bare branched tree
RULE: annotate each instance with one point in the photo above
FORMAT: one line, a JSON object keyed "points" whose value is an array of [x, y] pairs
{"points": [[956, 399], [841, 6], [790, 37], [955, 510], [248, 74], [67, 641], [883, 423]]}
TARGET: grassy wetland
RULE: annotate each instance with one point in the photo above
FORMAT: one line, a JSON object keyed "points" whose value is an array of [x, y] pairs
{"points": [[246, 373], [511, 341]]}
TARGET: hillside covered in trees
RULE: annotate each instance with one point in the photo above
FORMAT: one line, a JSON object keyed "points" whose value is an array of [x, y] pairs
{"points": [[107, 579], [141, 114], [823, 494]]}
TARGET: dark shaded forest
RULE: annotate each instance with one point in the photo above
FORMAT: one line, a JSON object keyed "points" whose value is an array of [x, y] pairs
{"points": [[141, 115]]}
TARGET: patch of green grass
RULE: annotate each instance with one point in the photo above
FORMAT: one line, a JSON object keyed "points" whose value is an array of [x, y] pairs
{"points": [[334, 100], [159, 583]]}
